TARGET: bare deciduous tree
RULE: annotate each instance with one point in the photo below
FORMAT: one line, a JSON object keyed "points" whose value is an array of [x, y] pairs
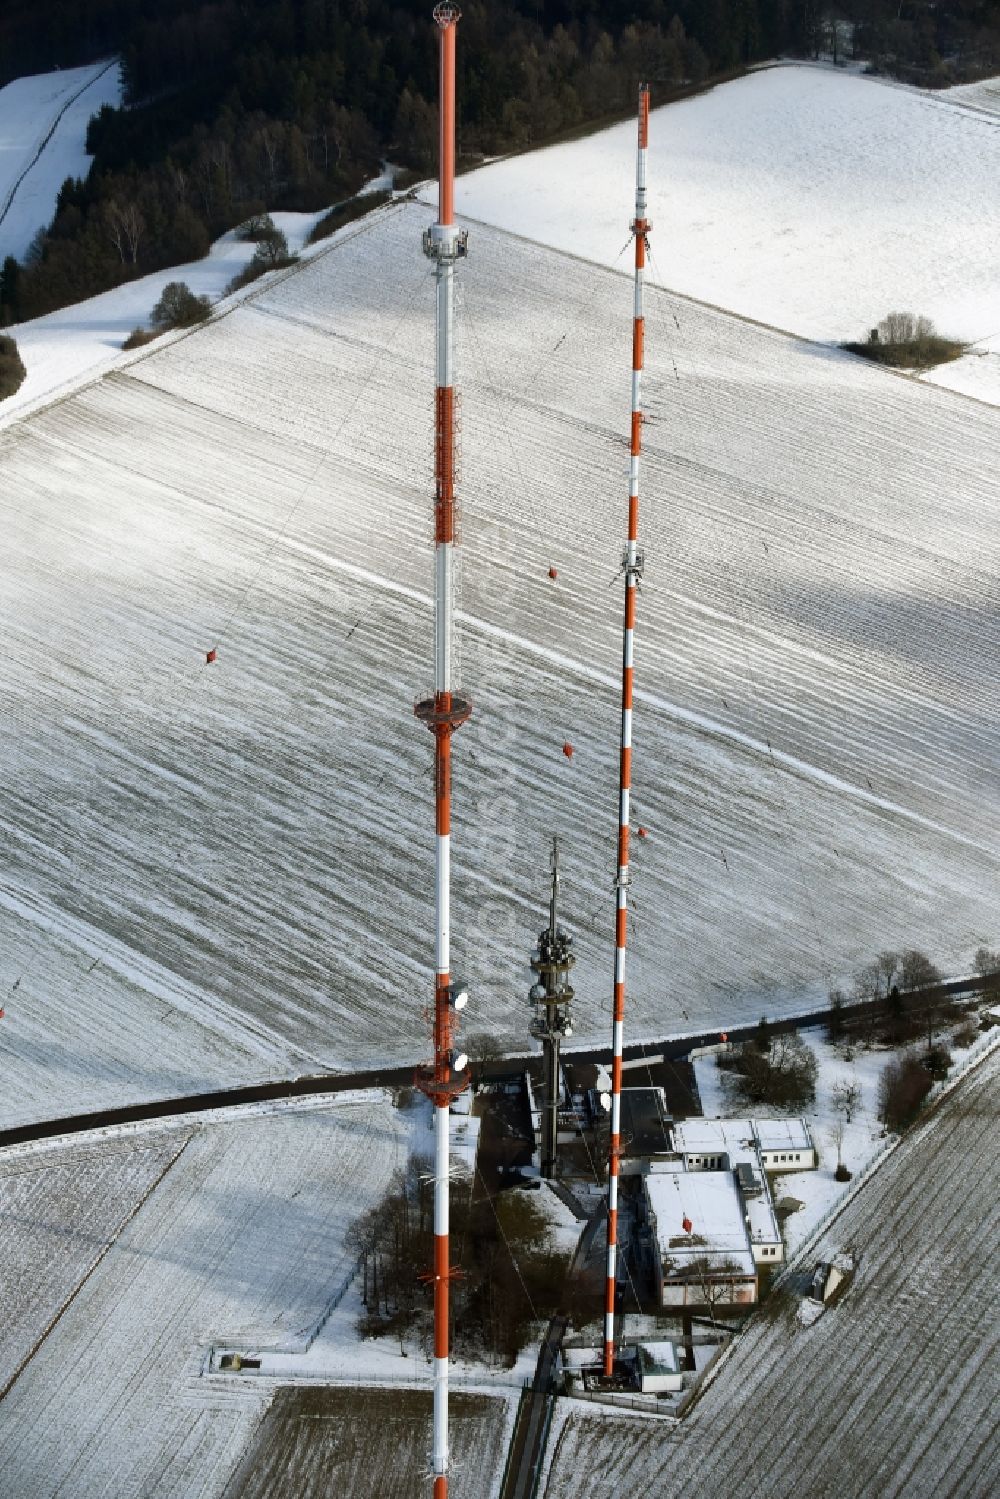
{"points": [[916, 971], [836, 1136], [846, 1098], [987, 961], [903, 328], [125, 226]]}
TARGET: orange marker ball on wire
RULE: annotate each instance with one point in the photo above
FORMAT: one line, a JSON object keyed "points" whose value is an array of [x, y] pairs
{"points": [[210, 656], [568, 750], [553, 573], [643, 833]]}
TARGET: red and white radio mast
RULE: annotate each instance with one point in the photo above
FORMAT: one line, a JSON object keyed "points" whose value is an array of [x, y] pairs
{"points": [[632, 562], [443, 713]]}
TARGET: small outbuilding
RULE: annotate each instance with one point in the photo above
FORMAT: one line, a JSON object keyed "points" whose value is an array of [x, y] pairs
{"points": [[659, 1369]]}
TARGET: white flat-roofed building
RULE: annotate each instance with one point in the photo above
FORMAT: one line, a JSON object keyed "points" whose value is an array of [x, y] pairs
{"points": [[703, 1253], [714, 1144], [721, 1144], [785, 1144], [734, 1145]]}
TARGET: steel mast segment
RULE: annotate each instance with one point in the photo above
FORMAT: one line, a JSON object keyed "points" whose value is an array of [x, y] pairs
{"points": [[632, 563], [552, 994], [444, 243]]}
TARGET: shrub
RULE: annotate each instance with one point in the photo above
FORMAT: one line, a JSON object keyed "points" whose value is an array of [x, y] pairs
{"points": [[139, 337], [12, 370], [271, 254], [937, 1060], [272, 248], [178, 307], [902, 1087], [344, 213], [784, 1075]]}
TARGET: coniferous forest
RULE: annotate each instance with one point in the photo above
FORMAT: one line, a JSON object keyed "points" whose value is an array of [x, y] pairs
{"points": [[232, 106]]}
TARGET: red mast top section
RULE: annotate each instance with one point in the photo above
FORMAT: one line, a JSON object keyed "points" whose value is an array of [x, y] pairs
{"points": [[447, 17]]}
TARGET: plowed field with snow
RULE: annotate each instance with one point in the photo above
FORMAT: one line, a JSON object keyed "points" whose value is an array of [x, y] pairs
{"points": [[888, 1393], [226, 870], [241, 1241], [317, 1442], [59, 1214]]}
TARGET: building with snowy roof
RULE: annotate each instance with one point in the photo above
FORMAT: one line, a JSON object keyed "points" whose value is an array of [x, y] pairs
{"points": [[698, 1232], [722, 1144]]}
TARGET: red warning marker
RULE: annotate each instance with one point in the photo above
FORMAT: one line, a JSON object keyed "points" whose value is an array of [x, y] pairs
{"points": [[686, 1224], [210, 656], [643, 833], [568, 751], [553, 573], [723, 1035]]}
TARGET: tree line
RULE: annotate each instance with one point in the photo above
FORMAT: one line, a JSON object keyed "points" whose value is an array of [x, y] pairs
{"points": [[499, 1245], [233, 106]]}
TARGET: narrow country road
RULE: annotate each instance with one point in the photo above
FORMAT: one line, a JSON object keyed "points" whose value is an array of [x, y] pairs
{"points": [[672, 1048]]}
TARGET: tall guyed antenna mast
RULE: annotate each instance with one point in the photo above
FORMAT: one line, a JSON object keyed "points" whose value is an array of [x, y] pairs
{"points": [[632, 565], [443, 713]]}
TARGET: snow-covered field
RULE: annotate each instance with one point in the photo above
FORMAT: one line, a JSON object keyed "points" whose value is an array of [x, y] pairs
{"points": [[369, 1444], [215, 869], [243, 1240], [59, 1212], [813, 200], [888, 1393], [43, 129], [77, 342]]}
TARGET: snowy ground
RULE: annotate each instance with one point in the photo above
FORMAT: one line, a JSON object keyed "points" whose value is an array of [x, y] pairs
{"points": [[243, 1238], [79, 342], [60, 1210], [43, 129], [813, 200], [226, 869], [888, 1395]]}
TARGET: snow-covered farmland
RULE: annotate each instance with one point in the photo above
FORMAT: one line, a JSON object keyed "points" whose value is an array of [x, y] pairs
{"points": [[814, 200], [887, 1394], [243, 1240], [59, 1212], [43, 129], [316, 1442], [244, 849]]}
